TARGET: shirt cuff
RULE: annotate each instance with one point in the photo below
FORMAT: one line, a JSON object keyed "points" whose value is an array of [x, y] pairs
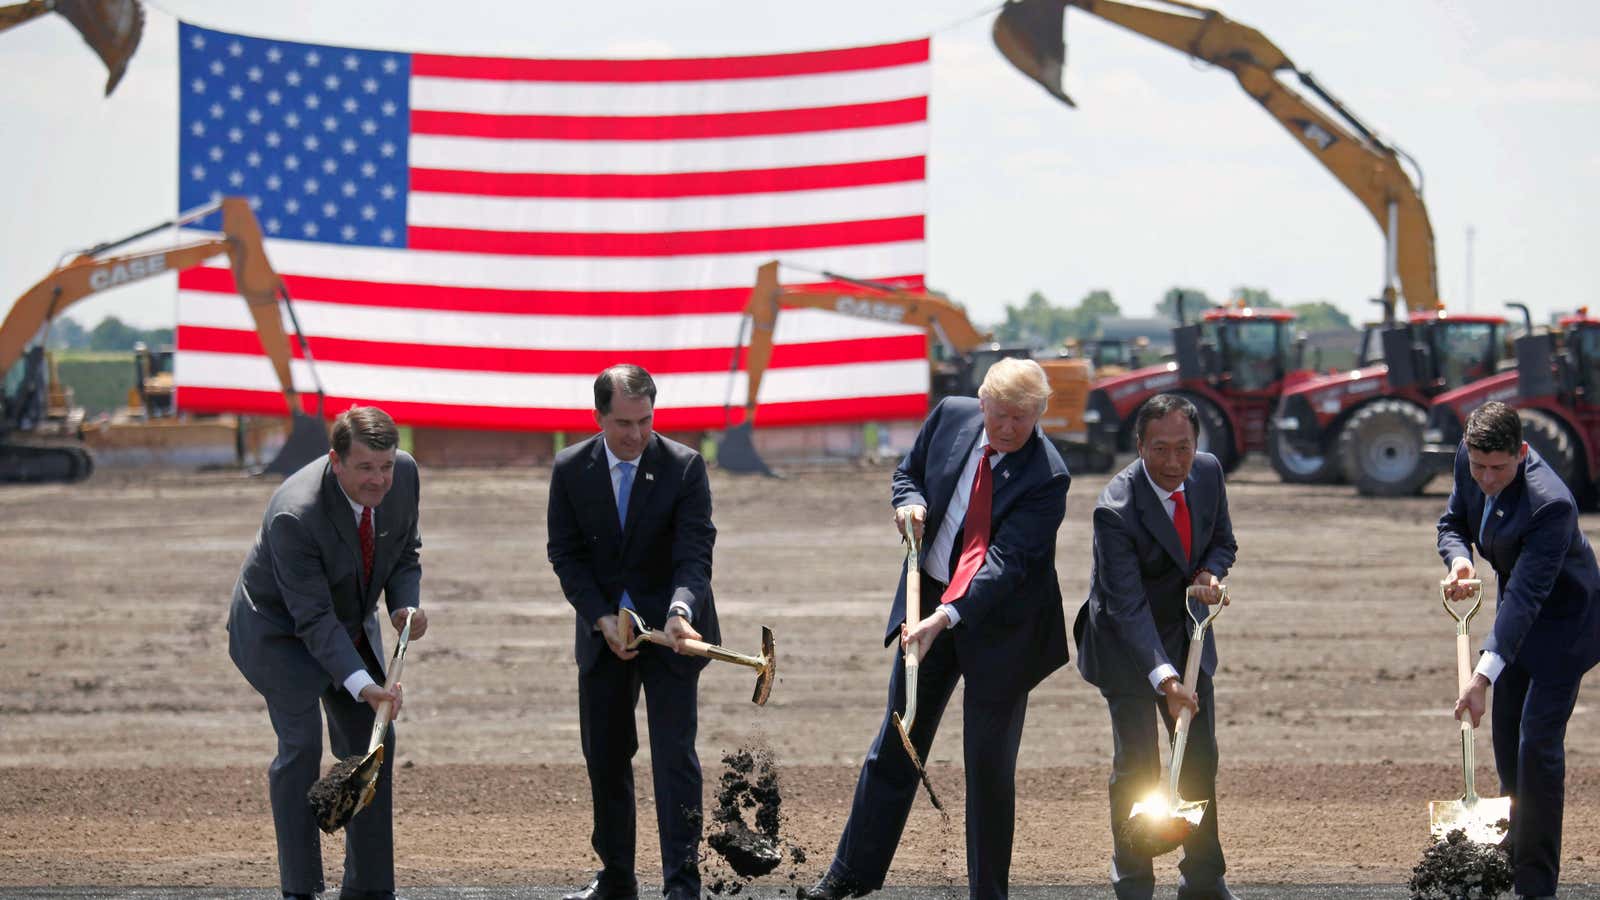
{"points": [[950, 614], [357, 682], [1490, 664], [1161, 673], [680, 608]]}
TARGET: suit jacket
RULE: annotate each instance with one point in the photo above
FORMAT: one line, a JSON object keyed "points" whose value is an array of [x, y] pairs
{"points": [[1135, 618], [1548, 614], [1012, 631], [300, 599], [661, 555]]}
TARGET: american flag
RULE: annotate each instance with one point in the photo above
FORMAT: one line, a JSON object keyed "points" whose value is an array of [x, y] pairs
{"points": [[470, 239]]}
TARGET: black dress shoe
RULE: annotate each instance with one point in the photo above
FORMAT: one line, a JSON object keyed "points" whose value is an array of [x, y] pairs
{"points": [[831, 887], [601, 889]]}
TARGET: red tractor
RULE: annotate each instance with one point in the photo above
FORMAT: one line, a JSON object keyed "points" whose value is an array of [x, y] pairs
{"points": [[1556, 390], [1365, 426], [1232, 365]]}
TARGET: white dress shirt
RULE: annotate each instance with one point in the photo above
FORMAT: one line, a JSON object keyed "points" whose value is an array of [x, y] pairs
{"points": [[358, 680], [1490, 663], [615, 463], [1165, 670], [936, 562]]}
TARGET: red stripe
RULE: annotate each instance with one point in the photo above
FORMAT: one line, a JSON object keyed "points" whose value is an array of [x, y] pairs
{"points": [[664, 128], [195, 338], [506, 301], [672, 184], [439, 415], [655, 70], [666, 243]]}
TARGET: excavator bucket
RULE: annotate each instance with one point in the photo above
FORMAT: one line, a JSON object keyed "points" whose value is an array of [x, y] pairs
{"points": [[308, 440], [111, 28], [736, 452], [1029, 34]]}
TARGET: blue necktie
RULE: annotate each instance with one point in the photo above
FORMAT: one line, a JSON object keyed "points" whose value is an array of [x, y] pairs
{"points": [[623, 490], [1488, 506]]}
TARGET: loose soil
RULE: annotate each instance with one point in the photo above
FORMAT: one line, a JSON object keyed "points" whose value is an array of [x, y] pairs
{"points": [[132, 752], [1459, 869]]}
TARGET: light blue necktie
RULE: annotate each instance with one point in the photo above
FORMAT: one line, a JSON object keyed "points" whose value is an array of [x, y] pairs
{"points": [[1483, 524], [623, 490]]}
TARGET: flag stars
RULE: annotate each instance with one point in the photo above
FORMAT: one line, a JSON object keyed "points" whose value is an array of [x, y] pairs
{"points": [[274, 226], [198, 86], [253, 159], [331, 82], [274, 182], [348, 232], [215, 153], [291, 206], [368, 169], [330, 123], [387, 149], [236, 178], [235, 93], [369, 127], [348, 188], [330, 210], [348, 145], [292, 119], [274, 98], [253, 116], [369, 212], [216, 110], [310, 186], [386, 235], [292, 79], [254, 74], [389, 65], [313, 101], [313, 59], [197, 172], [329, 166], [255, 201], [351, 63], [387, 192], [235, 135], [350, 105], [198, 41], [235, 49], [370, 85], [274, 139], [291, 162], [274, 54], [388, 107], [217, 68], [309, 229], [311, 143], [197, 128]]}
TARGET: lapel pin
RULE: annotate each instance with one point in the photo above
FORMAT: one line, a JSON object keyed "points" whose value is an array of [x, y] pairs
{"points": [[649, 476], [1006, 474], [1499, 514]]}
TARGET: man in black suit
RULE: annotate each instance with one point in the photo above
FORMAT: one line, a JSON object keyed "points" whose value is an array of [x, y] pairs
{"points": [[301, 629], [1546, 634], [630, 526], [1160, 526], [996, 621]]}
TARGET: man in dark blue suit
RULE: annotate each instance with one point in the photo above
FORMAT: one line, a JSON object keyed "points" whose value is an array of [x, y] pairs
{"points": [[996, 621], [630, 525], [1161, 525], [1546, 634]]}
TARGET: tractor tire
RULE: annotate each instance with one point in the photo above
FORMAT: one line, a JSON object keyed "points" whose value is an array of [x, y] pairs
{"points": [[1380, 449], [1294, 467], [1216, 435], [1545, 434]]}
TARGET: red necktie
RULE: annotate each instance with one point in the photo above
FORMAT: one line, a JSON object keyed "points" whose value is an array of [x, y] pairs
{"points": [[976, 544], [1180, 521], [367, 545]]}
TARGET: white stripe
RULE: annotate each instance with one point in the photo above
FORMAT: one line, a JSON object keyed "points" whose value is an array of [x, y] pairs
{"points": [[554, 273], [659, 157], [557, 98], [880, 201], [387, 383], [454, 329]]}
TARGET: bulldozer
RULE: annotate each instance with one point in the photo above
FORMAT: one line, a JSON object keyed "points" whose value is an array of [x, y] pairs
{"points": [[111, 28], [1363, 426], [959, 356], [43, 437]]}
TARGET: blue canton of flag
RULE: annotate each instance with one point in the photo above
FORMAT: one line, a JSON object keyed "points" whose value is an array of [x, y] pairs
{"points": [[314, 136]]}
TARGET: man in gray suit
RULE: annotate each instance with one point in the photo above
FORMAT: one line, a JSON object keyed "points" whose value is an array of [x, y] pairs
{"points": [[303, 632], [1161, 525]]}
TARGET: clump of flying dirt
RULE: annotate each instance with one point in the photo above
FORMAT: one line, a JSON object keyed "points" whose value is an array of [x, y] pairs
{"points": [[747, 820], [1460, 869]]}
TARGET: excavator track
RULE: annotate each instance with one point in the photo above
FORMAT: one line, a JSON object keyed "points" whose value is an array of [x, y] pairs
{"points": [[39, 463]]}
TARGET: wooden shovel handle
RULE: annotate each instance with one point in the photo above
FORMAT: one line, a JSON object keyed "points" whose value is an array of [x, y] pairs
{"points": [[913, 596], [380, 722]]}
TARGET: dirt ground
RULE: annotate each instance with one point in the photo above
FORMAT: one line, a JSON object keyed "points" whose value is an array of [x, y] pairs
{"points": [[132, 753]]}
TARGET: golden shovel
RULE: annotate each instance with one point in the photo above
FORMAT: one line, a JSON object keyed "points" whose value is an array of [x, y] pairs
{"points": [[1484, 819], [349, 786], [1164, 820], [902, 723], [636, 632]]}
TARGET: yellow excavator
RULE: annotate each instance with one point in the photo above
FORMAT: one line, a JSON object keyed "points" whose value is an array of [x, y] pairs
{"points": [[959, 356], [111, 28], [41, 434]]}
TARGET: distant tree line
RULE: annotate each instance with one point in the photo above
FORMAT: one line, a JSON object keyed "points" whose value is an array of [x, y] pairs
{"points": [[1039, 322], [111, 334]]}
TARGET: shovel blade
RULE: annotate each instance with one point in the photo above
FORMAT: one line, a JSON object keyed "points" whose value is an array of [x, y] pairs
{"points": [[1484, 821], [1154, 829]]}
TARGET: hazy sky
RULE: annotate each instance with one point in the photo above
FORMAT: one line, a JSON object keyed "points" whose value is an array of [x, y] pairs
{"points": [[1166, 174]]}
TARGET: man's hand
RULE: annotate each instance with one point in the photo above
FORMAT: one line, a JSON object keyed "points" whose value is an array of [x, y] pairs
{"points": [[375, 694], [1460, 570], [419, 621], [1472, 700], [679, 629], [924, 632], [612, 632], [1210, 592], [1179, 698], [915, 515]]}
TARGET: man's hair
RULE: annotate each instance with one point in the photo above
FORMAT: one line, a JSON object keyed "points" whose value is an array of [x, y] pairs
{"points": [[1020, 382], [369, 423], [1159, 407], [628, 379], [1494, 428]]}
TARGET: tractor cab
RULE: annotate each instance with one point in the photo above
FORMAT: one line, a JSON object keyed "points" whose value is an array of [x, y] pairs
{"points": [[1437, 351], [1240, 349]]}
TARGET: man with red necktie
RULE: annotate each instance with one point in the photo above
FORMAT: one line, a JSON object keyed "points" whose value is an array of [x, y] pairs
{"points": [[1160, 526], [984, 492]]}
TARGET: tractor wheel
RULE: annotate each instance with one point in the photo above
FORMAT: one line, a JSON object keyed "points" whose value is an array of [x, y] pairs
{"points": [[1545, 434], [1295, 467], [1380, 449], [1216, 437]]}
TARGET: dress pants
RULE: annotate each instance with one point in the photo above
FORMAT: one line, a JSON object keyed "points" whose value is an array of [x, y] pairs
{"points": [[888, 783], [1530, 716], [607, 697], [1136, 770]]}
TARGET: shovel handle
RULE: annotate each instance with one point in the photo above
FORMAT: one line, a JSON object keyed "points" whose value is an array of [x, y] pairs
{"points": [[380, 722], [913, 595]]}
